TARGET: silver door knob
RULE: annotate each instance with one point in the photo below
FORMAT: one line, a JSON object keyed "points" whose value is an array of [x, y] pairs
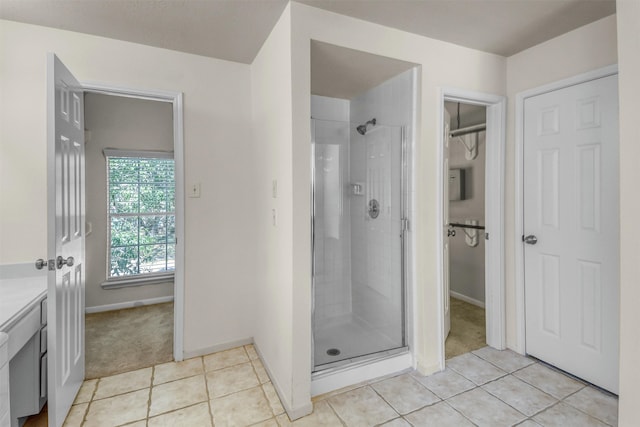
{"points": [[61, 261], [41, 263], [531, 239]]}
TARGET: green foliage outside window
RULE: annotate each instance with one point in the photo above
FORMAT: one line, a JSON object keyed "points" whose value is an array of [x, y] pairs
{"points": [[141, 215]]}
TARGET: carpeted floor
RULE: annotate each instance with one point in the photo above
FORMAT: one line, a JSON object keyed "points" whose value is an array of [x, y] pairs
{"points": [[125, 340], [467, 329]]}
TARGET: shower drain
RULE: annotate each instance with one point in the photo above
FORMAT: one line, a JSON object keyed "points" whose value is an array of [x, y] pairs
{"points": [[333, 352]]}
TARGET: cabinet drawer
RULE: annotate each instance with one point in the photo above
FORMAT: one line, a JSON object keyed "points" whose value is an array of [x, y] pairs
{"points": [[43, 340], [22, 332], [43, 312]]}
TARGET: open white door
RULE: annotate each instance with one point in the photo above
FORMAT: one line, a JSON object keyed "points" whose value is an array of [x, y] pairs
{"points": [[66, 238], [571, 225], [445, 225]]}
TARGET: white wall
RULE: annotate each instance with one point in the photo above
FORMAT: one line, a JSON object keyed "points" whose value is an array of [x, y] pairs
{"points": [[219, 288], [271, 154], [474, 70], [125, 123], [629, 92], [587, 48]]}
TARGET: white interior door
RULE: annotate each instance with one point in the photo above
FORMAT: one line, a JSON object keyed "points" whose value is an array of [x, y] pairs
{"points": [[571, 206], [445, 225], [66, 213]]}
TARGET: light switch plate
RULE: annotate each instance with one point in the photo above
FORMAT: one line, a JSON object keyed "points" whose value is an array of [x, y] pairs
{"points": [[194, 190]]}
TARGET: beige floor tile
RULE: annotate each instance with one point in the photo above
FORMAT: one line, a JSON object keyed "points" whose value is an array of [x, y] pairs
{"points": [[142, 423], [506, 360], [551, 382], [85, 394], [522, 396], [562, 415], [474, 368], [485, 410], [241, 409], [596, 403], [177, 370], [224, 359], [230, 380], [251, 352], [76, 415], [398, 422], [445, 384], [123, 383], [269, 423], [177, 394], [321, 416], [362, 407], [528, 423], [263, 377], [440, 415], [197, 415], [404, 393], [272, 397], [118, 410]]}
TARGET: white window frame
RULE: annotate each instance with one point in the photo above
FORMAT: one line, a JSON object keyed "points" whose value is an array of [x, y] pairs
{"points": [[143, 278]]}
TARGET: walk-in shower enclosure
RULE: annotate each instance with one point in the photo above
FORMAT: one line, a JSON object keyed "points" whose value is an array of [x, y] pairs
{"points": [[360, 150]]}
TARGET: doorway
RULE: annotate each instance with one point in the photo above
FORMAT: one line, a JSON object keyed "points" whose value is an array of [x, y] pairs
{"points": [[493, 233], [130, 243], [466, 227]]}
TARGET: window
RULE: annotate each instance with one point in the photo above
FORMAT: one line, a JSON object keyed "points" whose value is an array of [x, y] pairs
{"points": [[141, 215]]}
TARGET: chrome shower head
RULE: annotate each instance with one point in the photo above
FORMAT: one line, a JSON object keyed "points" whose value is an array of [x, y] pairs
{"points": [[362, 129]]}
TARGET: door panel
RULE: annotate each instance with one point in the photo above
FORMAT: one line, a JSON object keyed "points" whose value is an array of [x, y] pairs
{"points": [[571, 205], [66, 213]]}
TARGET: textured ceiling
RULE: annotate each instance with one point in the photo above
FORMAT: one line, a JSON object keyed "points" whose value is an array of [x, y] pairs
{"points": [[235, 30]]}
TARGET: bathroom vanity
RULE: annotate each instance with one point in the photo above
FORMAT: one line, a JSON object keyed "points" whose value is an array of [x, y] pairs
{"points": [[23, 319]]}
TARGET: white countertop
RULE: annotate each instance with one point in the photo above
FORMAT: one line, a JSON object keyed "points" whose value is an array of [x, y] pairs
{"points": [[18, 294]]}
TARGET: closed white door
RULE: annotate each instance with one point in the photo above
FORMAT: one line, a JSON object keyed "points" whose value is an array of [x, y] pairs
{"points": [[66, 211], [571, 226], [445, 226]]}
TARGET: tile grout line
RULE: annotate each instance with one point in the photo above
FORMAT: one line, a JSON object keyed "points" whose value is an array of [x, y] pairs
{"points": [[206, 388], [86, 411], [153, 373]]}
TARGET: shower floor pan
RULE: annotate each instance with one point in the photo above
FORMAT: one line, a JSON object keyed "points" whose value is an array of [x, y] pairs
{"points": [[351, 339]]}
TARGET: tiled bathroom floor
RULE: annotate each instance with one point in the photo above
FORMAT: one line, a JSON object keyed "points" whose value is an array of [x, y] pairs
{"points": [[231, 388]]}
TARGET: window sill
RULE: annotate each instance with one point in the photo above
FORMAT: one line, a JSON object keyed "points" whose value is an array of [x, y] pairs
{"points": [[137, 281]]}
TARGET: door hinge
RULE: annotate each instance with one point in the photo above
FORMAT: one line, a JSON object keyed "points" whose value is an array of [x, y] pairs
{"points": [[404, 225], [486, 236]]}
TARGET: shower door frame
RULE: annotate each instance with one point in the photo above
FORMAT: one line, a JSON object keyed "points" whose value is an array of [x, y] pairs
{"points": [[328, 368]]}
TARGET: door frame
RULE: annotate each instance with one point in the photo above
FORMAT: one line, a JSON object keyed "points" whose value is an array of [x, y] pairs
{"points": [[174, 98], [520, 344], [494, 212]]}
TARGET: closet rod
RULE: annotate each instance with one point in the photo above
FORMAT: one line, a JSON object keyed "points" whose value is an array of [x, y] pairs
{"points": [[457, 224], [467, 130]]}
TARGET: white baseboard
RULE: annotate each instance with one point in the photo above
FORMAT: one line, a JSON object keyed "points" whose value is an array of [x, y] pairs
{"points": [[218, 347], [128, 304], [466, 299]]}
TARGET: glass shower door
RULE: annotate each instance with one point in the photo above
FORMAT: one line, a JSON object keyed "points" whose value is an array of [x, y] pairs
{"points": [[358, 243]]}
